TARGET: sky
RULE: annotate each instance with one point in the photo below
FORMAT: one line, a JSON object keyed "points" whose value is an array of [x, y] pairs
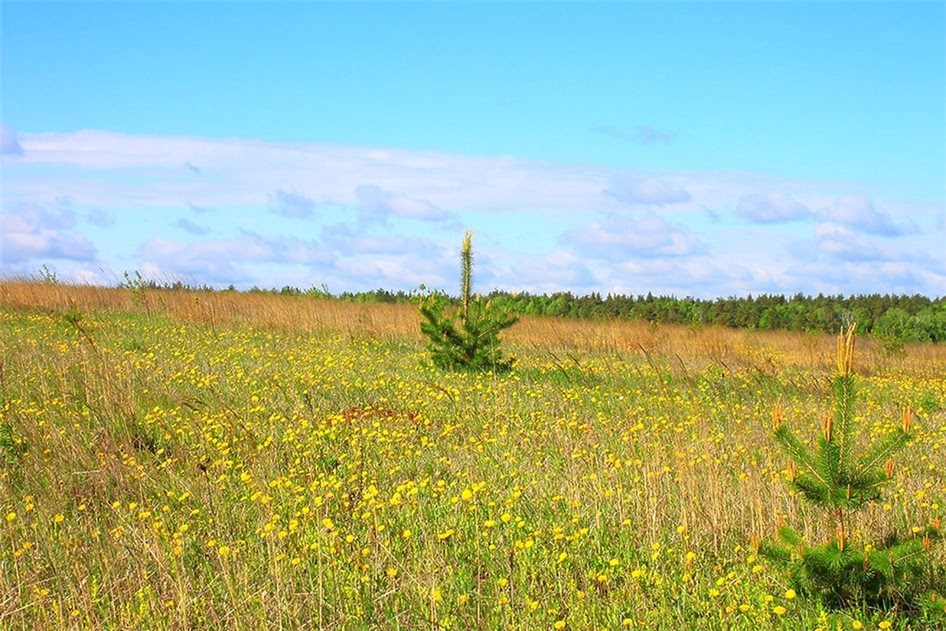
{"points": [[687, 149]]}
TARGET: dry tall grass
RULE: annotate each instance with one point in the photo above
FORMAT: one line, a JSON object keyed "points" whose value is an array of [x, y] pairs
{"points": [[687, 347]]}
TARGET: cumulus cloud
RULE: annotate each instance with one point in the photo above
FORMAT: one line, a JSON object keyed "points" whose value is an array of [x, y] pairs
{"points": [[842, 243], [141, 180], [377, 201], [291, 204], [864, 277], [9, 145], [619, 238], [771, 208], [220, 258], [655, 192], [540, 274], [388, 271], [859, 213], [33, 232]]}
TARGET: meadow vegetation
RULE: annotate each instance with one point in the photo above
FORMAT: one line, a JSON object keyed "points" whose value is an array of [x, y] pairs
{"points": [[179, 460]]}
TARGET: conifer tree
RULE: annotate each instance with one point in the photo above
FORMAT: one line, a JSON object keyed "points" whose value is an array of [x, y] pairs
{"points": [[474, 344], [838, 476]]}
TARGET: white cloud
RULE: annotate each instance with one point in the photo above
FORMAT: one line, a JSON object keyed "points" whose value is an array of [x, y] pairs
{"points": [[100, 218], [246, 172], [771, 207], [191, 227], [376, 201], [9, 145], [859, 213], [30, 232], [556, 271], [655, 192], [394, 217], [621, 238], [225, 260], [291, 204], [843, 243]]}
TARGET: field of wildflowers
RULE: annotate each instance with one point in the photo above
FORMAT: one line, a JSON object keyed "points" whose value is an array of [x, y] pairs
{"points": [[176, 460]]}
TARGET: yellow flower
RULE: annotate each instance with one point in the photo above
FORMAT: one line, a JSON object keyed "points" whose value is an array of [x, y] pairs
{"points": [[790, 594], [857, 624], [223, 550], [779, 610], [559, 624], [884, 624]]}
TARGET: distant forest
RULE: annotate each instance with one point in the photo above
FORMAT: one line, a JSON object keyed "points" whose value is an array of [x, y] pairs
{"points": [[894, 318], [904, 318]]}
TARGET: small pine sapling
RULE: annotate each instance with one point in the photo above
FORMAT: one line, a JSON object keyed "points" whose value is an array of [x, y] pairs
{"points": [[841, 478], [474, 344]]}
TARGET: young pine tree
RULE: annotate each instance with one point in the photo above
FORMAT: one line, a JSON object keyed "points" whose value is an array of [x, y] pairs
{"points": [[841, 478], [467, 339]]}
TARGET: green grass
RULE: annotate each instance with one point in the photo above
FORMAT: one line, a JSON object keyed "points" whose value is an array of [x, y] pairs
{"points": [[164, 474]]}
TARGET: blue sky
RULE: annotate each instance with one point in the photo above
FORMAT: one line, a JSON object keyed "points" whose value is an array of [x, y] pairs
{"points": [[695, 149]]}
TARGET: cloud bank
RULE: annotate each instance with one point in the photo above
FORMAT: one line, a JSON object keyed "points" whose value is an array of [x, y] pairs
{"points": [[356, 218]]}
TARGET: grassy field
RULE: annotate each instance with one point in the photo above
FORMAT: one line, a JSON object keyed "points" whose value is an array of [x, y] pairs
{"points": [[195, 460]]}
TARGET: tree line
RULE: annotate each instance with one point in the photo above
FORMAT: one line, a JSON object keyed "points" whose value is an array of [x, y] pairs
{"points": [[907, 318]]}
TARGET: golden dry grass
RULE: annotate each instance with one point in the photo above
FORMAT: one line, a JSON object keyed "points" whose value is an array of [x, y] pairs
{"points": [[686, 346]]}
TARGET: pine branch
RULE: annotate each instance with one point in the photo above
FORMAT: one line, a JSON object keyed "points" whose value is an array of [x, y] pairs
{"points": [[845, 394], [800, 454], [882, 450]]}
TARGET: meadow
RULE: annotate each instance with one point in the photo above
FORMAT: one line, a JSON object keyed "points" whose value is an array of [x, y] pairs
{"points": [[197, 460]]}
